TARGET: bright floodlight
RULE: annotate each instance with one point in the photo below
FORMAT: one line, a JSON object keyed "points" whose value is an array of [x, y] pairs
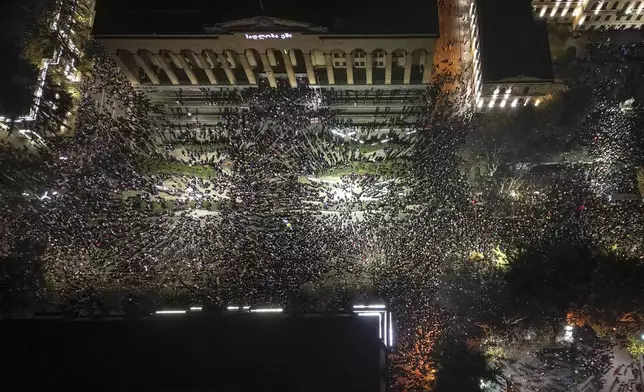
{"points": [[267, 310], [642, 336], [568, 327], [196, 308], [170, 312], [233, 308]]}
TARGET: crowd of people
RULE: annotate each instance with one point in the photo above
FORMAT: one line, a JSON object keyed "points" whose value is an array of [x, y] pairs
{"points": [[103, 228]]}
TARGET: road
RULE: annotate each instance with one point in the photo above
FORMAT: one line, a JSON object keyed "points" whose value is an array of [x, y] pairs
{"points": [[452, 55], [620, 377]]}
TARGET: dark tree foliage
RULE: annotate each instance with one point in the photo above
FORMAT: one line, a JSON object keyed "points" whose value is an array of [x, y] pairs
{"points": [[547, 283], [460, 368]]}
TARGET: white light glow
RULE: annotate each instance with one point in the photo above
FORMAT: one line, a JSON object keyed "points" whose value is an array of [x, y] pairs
{"points": [[491, 104], [565, 11], [170, 312], [196, 308], [391, 331], [554, 11], [537, 102], [480, 103], [598, 8], [496, 91], [543, 12], [581, 21], [568, 327], [503, 103], [526, 101], [233, 308], [369, 306], [246, 307], [267, 310], [576, 11]]}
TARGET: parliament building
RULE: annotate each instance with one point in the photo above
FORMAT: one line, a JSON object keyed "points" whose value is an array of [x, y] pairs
{"points": [[368, 76]]}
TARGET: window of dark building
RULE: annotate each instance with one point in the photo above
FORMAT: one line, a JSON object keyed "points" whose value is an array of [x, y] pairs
{"points": [[614, 7], [639, 17], [526, 90], [605, 6]]}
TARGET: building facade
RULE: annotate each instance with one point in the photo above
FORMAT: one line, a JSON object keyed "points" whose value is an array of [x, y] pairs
{"points": [[589, 15], [267, 52]]}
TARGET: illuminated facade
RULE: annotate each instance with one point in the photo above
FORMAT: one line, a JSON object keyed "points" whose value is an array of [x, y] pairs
{"points": [[589, 15], [361, 69], [512, 65]]}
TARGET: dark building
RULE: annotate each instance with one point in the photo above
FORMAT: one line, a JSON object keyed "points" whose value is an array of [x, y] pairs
{"points": [[241, 352], [511, 55]]}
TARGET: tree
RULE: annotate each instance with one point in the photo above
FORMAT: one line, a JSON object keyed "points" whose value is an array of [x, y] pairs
{"points": [[635, 346], [461, 367], [412, 363]]}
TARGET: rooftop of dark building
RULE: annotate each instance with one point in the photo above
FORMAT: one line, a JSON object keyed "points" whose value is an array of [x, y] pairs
{"points": [[124, 17], [183, 353], [512, 43], [17, 76]]}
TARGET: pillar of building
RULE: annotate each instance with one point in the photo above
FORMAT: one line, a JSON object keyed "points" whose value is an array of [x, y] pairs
{"points": [[140, 58], [188, 69], [268, 70], [124, 60], [349, 68], [289, 68], [309, 68], [223, 60], [161, 62], [203, 63], [408, 60], [368, 67], [388, 61], [247, 69], [427, 69], [329, 68]]}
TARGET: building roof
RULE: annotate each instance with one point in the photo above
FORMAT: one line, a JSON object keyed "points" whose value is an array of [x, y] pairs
{"points": [[184, 353], [122, 17], [17, 76], [512, 43]]}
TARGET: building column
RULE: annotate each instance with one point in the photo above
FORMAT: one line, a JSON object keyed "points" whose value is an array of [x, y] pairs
{"points": [[247, 69], [349, 63], [289, 68], [187, 69], [166, 67], [427, 69], [223, 60], [408, 60], [388, 61], [329, 68], [140, 60], [203, 63], [124, 60], [309, 68], [368, 65], [268, 70]]}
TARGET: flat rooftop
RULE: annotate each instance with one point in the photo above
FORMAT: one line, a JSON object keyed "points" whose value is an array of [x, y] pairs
{"points": [[512, 42], [17, 77], [184, 353], [185, 17]]}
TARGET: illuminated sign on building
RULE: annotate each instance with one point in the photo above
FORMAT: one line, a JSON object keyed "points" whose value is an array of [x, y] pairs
{"points": [[258, 37]]}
